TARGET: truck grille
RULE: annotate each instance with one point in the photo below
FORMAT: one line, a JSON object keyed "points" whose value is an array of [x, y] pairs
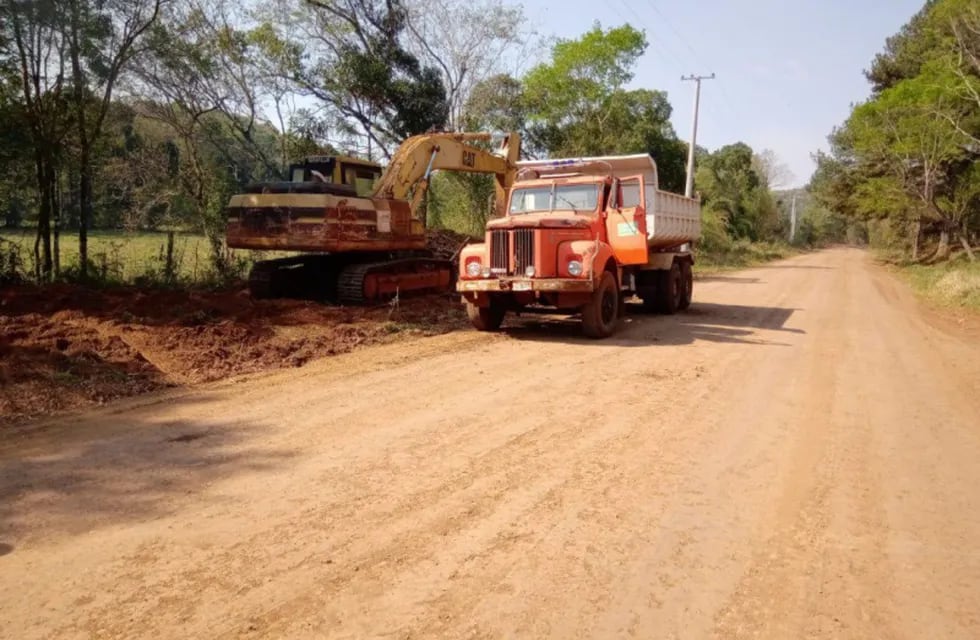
{"points": [[523, 250], [500, 251], [511, 252]]}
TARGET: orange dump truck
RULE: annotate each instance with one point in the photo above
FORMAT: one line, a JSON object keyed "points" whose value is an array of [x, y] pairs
{"points": [[579, 237]]}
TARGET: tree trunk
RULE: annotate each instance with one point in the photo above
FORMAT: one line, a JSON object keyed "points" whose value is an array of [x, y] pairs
{"points": [[942, 253], [56, 244], [45, 183], [965, 241], [85, 209], [916, 236]]}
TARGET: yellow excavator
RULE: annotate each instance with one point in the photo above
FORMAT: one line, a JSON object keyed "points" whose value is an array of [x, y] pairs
{"points": [[362, 244]]}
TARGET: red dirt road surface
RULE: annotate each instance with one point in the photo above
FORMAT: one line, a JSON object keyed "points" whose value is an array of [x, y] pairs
{"points": [[797, 457]]}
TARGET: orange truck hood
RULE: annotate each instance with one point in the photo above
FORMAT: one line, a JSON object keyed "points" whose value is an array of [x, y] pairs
{"points": [[547, 220]]}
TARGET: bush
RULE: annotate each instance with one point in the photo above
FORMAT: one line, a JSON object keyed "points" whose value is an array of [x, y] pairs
{"points": [[12, 263]]}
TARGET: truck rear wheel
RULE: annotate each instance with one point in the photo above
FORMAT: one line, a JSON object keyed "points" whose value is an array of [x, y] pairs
{"points": [[487, 318], [687, 285], [601, 314], [670, 290]]}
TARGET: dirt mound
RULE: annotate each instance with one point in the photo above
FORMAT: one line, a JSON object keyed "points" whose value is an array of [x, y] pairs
{"points": [[62, 347], [47, 364]]}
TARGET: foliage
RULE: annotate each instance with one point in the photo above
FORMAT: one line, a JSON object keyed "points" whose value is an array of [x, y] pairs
{"points": [[733, 190], [352, 56], [906, 158]]}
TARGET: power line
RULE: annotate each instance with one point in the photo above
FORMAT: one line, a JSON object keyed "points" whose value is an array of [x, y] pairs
{"points": [[677, 33], [726, 98], [660, 46]]}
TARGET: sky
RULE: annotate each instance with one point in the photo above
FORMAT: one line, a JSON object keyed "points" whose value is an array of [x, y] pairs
{"points": [[787, 71]]}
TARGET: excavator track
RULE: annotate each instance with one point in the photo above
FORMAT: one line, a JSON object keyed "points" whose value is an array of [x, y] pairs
{"points": [[370, 282], [276, 278]]}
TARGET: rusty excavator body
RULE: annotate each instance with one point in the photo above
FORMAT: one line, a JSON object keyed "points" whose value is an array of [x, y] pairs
{"points": [[362, 244]]}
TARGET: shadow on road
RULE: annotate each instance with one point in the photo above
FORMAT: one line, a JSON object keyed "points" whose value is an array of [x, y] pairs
{"points": [[99, 473], [708, 322]]}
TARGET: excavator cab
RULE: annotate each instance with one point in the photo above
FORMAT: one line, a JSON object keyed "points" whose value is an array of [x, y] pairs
{"points": [[335, 175], [337, 170]]}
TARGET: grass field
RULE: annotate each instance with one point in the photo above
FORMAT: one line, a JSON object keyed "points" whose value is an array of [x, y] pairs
{"points": [[128, 256], [953, 283]]}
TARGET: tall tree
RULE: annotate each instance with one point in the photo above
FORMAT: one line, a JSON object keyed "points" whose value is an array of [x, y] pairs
{"points": [[906, 51], [469, 42], [351, 56], [730, 185], [572, 90], [900, 134], [200, 84], [101, 40], [36, 51]]}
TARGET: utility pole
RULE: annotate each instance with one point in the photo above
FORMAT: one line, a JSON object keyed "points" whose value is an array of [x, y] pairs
{"points": [[792, 220], [689, 190]]}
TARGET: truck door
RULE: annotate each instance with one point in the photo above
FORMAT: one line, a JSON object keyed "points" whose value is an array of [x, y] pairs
{"points": [[626, 221]]}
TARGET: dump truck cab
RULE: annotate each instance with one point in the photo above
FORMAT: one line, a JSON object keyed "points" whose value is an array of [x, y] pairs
{"points": [[579, 236]]}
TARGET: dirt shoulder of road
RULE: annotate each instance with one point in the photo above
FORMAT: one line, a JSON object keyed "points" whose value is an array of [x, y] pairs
{"points": [[65, 348]]}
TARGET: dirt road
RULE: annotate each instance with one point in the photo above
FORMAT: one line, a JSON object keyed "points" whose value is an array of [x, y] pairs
{"points": [[797, 457]]}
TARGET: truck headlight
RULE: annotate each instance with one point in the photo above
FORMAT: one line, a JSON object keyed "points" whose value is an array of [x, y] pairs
{"points": [[530, 272], [575, 268], [474, 268]]}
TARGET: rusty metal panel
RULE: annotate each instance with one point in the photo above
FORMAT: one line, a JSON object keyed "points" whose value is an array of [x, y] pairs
{"points": [[523, 250], [500, 251]]}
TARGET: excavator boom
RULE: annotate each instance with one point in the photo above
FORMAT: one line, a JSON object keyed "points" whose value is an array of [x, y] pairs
{"points": [[407, 177]]}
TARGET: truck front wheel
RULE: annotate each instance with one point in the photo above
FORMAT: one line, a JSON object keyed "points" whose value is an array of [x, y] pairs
{"points": [[600, 315], [487, 318]]}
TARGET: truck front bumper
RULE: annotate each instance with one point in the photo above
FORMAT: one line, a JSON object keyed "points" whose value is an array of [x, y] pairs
{"points": [[517, 285]]}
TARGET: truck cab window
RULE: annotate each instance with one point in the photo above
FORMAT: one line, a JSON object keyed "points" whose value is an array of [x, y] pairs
{"points": [[528, 200], [631, 194]]}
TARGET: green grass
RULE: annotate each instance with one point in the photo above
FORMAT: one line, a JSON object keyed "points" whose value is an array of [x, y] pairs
{"points": [[955, 283], [130, 256]]}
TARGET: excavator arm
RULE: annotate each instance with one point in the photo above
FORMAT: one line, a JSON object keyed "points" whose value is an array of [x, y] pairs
{"points": [[408, 174]]}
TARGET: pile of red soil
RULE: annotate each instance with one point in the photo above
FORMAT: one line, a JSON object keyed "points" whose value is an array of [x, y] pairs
{"points": [[63, 347]]}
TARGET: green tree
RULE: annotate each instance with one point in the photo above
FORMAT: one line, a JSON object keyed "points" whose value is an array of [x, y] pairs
{"points": [[731, 187], [101, 40], [572, 91], [351, 56], [906, 51], [576, 103], [910, 132], [33, 50]]}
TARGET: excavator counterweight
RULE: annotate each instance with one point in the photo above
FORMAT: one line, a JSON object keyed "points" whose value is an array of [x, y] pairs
{"points": [[359, 247]]}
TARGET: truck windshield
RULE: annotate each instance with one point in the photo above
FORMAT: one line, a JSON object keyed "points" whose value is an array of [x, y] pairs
{"points": [[577, 197]]}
